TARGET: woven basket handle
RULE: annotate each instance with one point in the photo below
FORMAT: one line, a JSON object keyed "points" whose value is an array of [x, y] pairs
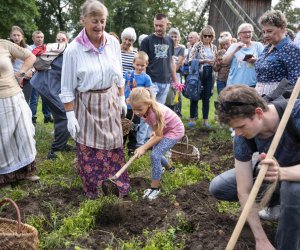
{"points": [[187, 142], [7, 200]]}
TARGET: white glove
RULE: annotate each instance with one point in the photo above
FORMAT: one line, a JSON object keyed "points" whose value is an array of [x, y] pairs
{"points": [[73, 125], [123, 105]]}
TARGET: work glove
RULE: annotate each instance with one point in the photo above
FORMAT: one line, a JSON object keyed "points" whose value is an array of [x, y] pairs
{"points": [[73, 125], [123, 105]]}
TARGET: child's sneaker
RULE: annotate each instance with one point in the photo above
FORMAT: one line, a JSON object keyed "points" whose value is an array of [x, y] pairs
{"points": [[171, 169], [151, 193]]}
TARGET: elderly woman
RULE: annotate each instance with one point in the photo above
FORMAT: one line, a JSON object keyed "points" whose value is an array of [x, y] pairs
{"points": [[17, 36], [17, 145], [280, 59], [128, 37], [93, 96], [205, 51], [241, 56]]}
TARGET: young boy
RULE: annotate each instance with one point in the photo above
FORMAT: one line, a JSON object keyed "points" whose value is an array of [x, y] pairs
{"points": [[136, 78]]}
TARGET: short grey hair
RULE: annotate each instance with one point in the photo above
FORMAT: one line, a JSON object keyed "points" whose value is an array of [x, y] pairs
{"points": [[141, 38], [128, 33], [93, 7], [174, 31], [244, 25], [274, 18]]}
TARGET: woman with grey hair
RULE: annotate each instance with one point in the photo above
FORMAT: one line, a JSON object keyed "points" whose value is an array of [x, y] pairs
{"points": [[241, 56], [280, 58], [128, 52], [92, 90]]}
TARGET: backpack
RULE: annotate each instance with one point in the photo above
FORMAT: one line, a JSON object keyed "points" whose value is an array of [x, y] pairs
{"points": [[46, 54], [193, 87]]}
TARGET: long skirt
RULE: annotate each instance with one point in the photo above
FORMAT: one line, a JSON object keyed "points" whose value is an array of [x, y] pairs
{"points": [[97, 165], [100, 140], [17, 144]]}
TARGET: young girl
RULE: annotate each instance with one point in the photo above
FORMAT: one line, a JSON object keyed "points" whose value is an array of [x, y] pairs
{"points": [[167, 129], [219, 66]]}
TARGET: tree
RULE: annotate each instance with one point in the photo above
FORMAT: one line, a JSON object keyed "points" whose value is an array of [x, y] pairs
{"points": [[18, 12], [292, 14], [54, 17]]}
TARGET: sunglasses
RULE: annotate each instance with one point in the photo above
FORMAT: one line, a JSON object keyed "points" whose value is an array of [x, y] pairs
{"points": [[60, 40], [228, 106], [209, 36]]}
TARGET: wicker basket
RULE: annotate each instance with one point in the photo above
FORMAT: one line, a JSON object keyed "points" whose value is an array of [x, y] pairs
{"points": [[16, 235], [184, 152], [126, 126]]}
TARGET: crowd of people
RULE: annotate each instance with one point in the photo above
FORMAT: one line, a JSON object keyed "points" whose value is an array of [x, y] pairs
{"points": [[93, 82]]}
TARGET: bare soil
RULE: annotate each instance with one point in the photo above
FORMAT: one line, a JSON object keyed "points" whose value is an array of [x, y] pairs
{"points": [[203, 227]]}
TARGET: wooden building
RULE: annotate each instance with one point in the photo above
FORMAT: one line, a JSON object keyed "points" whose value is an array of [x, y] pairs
{"points": [[227, 15]]}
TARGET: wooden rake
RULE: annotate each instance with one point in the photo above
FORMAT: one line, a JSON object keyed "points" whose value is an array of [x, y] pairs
{"points": [[263, 170]]}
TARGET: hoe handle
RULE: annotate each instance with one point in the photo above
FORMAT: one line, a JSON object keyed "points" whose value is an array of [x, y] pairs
{"points": [[122, 170], [263, 170]]}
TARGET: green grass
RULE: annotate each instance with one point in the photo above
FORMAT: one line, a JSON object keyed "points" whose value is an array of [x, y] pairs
{"points": [[62, 230]]}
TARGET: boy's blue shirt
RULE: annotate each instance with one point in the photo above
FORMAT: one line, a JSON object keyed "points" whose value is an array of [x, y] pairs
{"points": [[141, 80]]}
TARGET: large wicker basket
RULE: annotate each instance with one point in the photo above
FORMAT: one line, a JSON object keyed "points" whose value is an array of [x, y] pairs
{"points": [[16, 235], [127, 125], [184, 152]]}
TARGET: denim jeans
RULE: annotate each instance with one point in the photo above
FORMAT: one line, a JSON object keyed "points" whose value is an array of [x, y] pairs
{"points": [[141, 137], [223, 187], [207, 83], [34, 98], [220, 86], [160, 91]]}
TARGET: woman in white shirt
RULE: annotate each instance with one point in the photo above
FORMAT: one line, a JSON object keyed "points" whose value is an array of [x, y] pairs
{"points": [[93, 96]]}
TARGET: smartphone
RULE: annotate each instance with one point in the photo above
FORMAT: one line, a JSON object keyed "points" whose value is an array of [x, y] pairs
{"points": [[247, 57]]}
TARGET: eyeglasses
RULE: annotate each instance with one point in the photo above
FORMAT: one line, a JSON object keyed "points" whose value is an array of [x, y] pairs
{"points": [[209, 36], [228, 106], [246, 32]]}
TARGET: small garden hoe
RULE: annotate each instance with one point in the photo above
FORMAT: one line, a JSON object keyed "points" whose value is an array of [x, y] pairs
{"points": [[109, 186]]}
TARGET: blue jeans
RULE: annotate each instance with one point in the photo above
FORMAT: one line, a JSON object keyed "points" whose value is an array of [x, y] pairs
{"points": [[160, 91], [34, 98], [207, 83], [224, 187], [142, 135], [220, 86]]}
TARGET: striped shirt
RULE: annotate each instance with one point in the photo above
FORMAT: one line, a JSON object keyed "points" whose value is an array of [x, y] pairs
{"points": [[127, 60], [84, 70]]}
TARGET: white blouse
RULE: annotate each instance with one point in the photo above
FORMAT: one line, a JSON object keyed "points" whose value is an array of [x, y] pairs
{"points": [[85, 70]]}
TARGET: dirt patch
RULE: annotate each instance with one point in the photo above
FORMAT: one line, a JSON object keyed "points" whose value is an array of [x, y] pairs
{"points": [[193, 211], [55, 199]]}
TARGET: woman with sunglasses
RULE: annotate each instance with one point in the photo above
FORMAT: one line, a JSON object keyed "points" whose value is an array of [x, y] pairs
{"points": [[205, 51], [62, 37], [242, 56]]}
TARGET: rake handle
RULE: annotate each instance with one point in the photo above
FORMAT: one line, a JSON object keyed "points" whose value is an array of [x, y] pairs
{"points": [[263, 170], [122, 170]]}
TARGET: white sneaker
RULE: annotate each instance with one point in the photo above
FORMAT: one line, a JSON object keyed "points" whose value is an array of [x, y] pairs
{"points": [[151, 194], [270, 213]]}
